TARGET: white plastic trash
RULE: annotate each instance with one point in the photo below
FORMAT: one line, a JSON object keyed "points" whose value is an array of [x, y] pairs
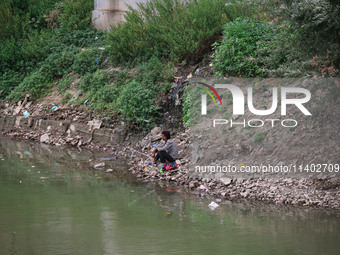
{"points": [[213, 205]]}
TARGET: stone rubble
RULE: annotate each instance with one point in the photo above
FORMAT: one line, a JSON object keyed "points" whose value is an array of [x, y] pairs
{"points": [[293, 191]]}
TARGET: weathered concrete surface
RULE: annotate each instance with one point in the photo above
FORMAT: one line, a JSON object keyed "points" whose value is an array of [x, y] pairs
{"points": [[51, 125], [111, 12], [6, 122], [63, 128], [81, 130]]}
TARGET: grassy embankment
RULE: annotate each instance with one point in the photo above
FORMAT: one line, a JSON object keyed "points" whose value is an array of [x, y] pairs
{"points": [[50, 45]]}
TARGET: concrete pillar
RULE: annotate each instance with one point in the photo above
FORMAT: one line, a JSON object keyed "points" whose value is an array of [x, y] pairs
{"points": [[108, 12]]}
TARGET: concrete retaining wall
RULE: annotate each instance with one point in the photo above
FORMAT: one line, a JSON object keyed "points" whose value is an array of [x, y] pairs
{"points": [[64, 128]]}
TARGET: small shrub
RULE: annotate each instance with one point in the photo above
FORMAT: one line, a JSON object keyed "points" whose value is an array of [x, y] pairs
{"points": [[155, 74], [137, 104], [53, 18], [87, 61], [186, 110], [243, 48], [309, 43], [317, 27], [36, 84], [191, 105], [81, 38], [24, 55], [65, 83], [317, 23], [66, 98], [104, 87], [8, 81], [10, 55], [76, 15], [168, 29], [97, 80], [258, 137], [59, 63], [11, 23], [106, 97]]}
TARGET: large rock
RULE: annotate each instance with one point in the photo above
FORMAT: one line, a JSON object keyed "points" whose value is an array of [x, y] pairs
{"points": [[156, 131], [226, 181], [94, 124], [45, 138]]}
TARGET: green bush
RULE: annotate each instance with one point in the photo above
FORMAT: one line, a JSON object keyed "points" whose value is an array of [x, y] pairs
{"points": [[65, 83], [11, 23], [66, 98], [76, 15], [316, 25], [155, 75], [10, 55], [8, 81], [167, 29], [95, 81], [244, 48], [19, 18], [258, 137], [87, 61], [137, 104], [308, 42], [103, 88], [36, 47], [81, 38], [59, 63], [191, 105], [36, 84], [105, 98], [25, 55], [317, 21], [186, 109]]}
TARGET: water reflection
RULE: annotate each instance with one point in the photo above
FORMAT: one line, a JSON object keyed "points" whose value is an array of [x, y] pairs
{"points": [[108, 231], [76, 209]]}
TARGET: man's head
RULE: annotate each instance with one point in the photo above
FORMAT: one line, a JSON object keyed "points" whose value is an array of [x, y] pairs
{"points": [[166, 135]]}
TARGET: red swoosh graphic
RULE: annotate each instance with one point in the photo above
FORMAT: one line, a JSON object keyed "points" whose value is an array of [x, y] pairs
{"points": [[213, 90]]}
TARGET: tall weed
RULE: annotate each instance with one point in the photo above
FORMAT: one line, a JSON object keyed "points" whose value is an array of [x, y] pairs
{"points": [[244, 48], [167, 29], [76, 15]]}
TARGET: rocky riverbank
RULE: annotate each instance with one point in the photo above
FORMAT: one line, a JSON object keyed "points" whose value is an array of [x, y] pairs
{"points": [[314, 140], [286, 191], [293, 191]]}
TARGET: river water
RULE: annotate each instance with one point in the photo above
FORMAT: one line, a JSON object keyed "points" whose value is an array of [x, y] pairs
{"points": [[53, 202]]}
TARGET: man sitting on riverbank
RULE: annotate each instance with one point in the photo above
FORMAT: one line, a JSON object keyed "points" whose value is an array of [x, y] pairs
{"points": [[168, 152]]}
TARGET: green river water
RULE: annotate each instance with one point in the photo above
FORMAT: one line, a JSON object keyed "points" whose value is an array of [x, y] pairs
{"points": [[53, 202]]}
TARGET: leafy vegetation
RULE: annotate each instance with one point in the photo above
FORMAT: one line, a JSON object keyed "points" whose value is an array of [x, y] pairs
{"points": [[169, 29], [76, 14], [47, 43], [258, 137], [285, 38], [316, 26], [244, 48], [137, 103], [131, 96], [32, 55]]}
